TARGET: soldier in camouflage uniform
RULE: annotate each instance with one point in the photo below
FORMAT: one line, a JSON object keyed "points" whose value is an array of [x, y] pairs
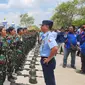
{"points": [[26, 40], [11, 53], [19, 50], [3, 59]]}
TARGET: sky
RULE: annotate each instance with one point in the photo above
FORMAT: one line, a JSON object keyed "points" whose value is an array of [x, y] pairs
{"points": [[39, 9]]}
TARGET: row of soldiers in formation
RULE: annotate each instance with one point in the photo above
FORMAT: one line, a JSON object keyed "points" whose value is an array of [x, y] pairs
{"points": [[13, 50]]}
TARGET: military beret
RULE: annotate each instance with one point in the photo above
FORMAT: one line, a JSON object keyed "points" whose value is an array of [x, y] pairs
{"points": [[47, 22]]}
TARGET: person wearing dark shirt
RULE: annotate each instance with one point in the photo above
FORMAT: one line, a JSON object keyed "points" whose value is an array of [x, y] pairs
{"points": [[60, 40], [70, 42], [81, 39], [83, 58]]}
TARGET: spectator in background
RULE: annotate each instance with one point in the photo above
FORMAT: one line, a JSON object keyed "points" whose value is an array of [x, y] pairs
{"points": [[81, 39], [79, 30], [70, 43], [60, 40], [80, 36], [82, 58]]}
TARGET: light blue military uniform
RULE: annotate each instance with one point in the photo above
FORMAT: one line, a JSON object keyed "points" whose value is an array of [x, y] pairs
{"points": [[48, 42]]}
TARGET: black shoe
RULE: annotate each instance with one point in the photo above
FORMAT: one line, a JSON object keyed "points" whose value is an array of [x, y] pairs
{"points": [[13, 77], [73, 67], [11, 80], [80, 71], [64, 66], [18, 73]]}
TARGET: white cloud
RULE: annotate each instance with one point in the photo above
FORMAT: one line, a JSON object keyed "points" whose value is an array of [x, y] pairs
{"points": [[36, 10], [20, 3], [40, 15], [17, 4], [29, 3], [10, 17], [4, 6]]}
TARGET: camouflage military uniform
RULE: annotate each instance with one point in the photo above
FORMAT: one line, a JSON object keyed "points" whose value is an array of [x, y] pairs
{"points": [[11, 56], [19, 53], [3, 59]]}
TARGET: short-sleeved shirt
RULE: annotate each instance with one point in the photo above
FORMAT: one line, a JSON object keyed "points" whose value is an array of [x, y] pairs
{"points": [[83, 48], [48, 42], [81, 37], [54, 34], [60, 37], [71, 39]]}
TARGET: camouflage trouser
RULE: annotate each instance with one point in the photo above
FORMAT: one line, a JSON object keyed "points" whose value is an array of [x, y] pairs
{"points": [[18, 61], [10, 68], [2, 74], [10, 65]]}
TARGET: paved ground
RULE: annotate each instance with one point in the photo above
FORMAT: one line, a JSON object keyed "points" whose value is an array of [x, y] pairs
{"points": [[64, 76], [68, 76]]}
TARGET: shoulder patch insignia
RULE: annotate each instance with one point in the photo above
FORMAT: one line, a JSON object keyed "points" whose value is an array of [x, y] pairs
{"points": [[49, 40]]}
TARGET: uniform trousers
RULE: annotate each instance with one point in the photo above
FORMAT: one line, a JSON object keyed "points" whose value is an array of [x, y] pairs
{"points": [[83, 62], [48, 71]]}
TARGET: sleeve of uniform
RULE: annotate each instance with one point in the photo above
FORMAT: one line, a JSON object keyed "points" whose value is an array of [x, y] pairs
{"points": [[51, 42]]}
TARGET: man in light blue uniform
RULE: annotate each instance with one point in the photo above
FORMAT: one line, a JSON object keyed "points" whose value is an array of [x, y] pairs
{"points": [[48, 49]]}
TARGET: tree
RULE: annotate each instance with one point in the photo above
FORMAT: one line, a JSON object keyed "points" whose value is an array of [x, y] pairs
{"points": [[82, 8], [34, 27], [81, 13], [65, 13], [79, 22], [26, 20]]}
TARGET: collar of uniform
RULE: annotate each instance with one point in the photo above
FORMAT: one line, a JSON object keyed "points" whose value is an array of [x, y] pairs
{"points": [[46, 33]]}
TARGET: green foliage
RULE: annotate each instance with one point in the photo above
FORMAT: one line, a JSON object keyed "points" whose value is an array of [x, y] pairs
{"points": [[79, 22], [26, 20], [71, 12], [33, 27]]}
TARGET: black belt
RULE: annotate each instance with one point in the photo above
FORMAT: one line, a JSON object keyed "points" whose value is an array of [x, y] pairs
{"points": [[42, 57]]}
